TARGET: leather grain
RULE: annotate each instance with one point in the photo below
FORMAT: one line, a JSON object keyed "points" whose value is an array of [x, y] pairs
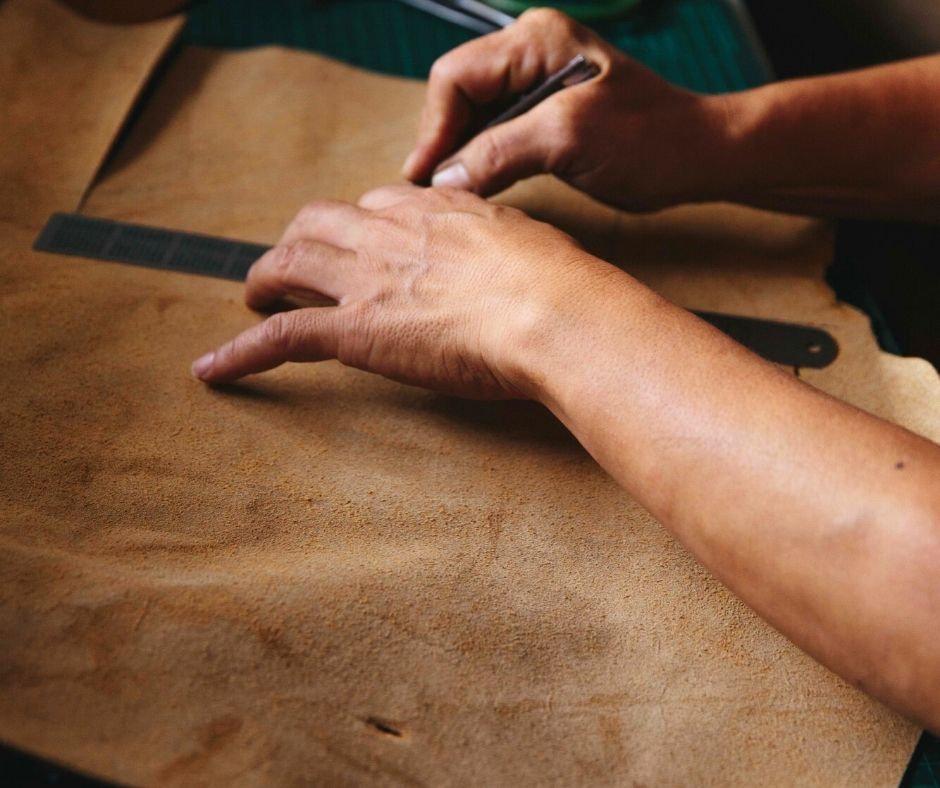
{"points": [[322, 577]]}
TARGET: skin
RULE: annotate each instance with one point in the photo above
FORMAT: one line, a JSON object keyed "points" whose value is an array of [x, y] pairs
{"points": [[824, 519], [858, 144]]}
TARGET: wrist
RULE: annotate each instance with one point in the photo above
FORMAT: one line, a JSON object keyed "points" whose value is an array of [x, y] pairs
{"points": [[727, 124], [696, 155], [557, 329], [769, 146]]}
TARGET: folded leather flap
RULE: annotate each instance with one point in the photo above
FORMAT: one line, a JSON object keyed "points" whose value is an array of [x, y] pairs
{"points": [[67, 84]]}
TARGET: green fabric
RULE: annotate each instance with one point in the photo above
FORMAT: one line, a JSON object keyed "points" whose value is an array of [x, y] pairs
{"points": [[924, 768], [579, 9], [700, 44], [695, 43]]}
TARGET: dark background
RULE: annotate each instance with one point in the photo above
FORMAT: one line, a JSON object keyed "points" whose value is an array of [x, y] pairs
{"points": [[889, 269]]}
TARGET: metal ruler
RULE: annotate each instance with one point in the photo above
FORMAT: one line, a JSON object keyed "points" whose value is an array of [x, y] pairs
{"points": [[790, 344], [152, 247]]}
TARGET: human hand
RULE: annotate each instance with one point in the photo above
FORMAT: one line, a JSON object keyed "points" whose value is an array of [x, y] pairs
{"points": [[626, 137], [436, 288]]}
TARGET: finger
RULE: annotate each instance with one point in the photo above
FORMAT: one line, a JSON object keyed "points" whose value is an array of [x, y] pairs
{"points": [[302, 335], [533, 143], [480, 72], [303, 268], [329, 221], [387, 196]]}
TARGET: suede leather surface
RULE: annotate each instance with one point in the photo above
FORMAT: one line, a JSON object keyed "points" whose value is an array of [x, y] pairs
{"points": [[319, 576]]}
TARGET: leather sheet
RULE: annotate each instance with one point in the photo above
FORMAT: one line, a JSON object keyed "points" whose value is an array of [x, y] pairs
{"points": [[323, 577], [66, 85]]}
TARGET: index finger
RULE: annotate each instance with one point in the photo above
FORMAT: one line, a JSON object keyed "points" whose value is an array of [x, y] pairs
{"points": [[303, 335]]}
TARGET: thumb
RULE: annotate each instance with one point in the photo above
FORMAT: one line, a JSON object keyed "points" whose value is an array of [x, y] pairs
{"points": [[498, 157]]}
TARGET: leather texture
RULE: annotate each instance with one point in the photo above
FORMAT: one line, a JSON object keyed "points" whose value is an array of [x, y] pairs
{"points": [[322, 577]]}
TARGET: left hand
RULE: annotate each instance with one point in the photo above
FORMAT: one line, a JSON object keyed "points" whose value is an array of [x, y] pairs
{"points": [[434, 287]]}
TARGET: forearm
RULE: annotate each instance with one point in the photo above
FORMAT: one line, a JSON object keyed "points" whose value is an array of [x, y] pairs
{"points": [[825, 520], [864, 143], [816, 514]]}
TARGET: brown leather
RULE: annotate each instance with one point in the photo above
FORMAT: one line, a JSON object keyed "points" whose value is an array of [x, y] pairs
{"points": [[323, 577], [66, 85]]}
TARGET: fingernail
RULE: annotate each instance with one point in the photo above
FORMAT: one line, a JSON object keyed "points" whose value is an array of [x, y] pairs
{"points": [[409, 163], [455, 177], [202, 365]]}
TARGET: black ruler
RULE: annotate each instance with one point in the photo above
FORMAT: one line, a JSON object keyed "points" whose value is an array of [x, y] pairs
{"points": [[790, 344], [151, 247]]}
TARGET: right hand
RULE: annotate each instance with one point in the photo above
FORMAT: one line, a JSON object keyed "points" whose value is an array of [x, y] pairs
{"points": [[626, 137]]}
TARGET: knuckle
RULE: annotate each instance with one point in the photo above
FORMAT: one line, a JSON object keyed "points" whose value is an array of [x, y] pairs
{"points": [[433, 198], [359, 315], [564, 129], [493, 152], [446, 67], [309, 211], [284, 262], [372, 196], [550, 18], [444, 197], [454, 204], [278, 261], [355, 330], [505, 213], [278, 333]]}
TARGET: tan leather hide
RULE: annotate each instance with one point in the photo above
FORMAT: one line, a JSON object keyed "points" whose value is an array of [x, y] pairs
{"points": [[323, 577]]}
